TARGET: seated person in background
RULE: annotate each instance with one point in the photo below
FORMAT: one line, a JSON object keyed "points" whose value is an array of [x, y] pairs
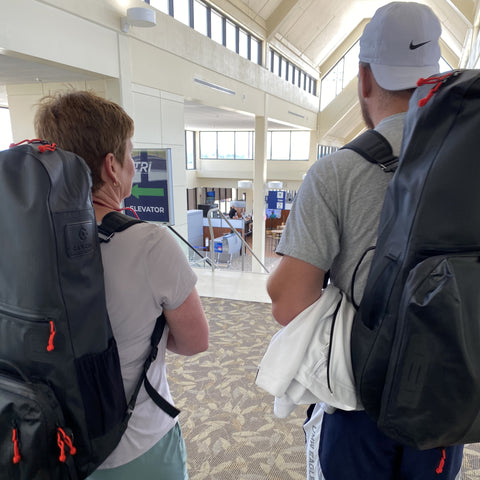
{"points": [[146, 273], [232, 213]]}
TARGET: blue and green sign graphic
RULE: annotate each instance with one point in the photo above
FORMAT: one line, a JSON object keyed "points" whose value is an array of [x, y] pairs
{"points": [[151, 190]]}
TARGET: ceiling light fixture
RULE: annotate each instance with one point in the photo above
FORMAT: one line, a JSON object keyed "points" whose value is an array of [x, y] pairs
{"points": [[275, 185], [138, 17], [215, 87], [296, 114], [245, 184]]}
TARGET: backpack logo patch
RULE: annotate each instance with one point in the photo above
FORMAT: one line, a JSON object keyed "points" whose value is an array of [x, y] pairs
{"points": [[79, 238]]}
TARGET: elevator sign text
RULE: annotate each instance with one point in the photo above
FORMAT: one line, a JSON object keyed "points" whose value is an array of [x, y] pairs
{"points": [[150, 190]]}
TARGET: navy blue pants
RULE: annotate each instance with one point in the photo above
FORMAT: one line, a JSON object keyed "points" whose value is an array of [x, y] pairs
{"points": [[352, 448]]}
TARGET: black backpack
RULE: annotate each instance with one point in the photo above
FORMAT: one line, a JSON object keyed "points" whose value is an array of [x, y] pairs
{"points": [[62, 402], [416, 335]]}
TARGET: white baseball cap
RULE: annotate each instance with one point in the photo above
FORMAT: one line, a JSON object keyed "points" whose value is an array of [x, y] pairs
{"points": [[401, 44]]}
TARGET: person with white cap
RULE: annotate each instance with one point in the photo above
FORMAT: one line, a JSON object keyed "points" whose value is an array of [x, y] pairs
{"points": [[399, 46]]}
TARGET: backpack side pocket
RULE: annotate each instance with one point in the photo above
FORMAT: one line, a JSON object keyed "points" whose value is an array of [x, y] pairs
{"points": [[34, 443]]}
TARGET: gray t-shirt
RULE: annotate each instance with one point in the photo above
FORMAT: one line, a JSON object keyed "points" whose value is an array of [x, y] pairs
{"points": [[145, 271], [335, 215]]}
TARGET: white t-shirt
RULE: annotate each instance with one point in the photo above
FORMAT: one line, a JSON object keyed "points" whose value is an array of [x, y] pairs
{"points": [[145, 271]]}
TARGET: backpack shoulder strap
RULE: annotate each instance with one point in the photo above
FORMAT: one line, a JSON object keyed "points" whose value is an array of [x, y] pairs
{"points": [[114, 222], [375, 148], [167, 407]]}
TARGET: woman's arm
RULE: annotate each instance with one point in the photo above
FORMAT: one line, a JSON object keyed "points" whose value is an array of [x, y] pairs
{"points": [[188, 327]]}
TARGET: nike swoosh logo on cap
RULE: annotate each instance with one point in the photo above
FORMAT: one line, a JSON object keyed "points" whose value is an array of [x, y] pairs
{"points": [[417, 45]]}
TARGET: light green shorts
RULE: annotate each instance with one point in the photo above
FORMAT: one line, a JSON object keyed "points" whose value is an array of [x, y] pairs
{"points": [[167, 460]]}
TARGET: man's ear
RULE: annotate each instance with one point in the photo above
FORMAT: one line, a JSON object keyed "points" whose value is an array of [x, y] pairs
{"points": [[365, 81]]}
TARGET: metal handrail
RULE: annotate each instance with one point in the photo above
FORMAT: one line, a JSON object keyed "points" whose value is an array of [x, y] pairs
{"points": [[205, 259], [244, 243]]}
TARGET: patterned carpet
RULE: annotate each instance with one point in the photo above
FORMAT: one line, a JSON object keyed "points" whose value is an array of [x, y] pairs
{"points": [[227, 421]]}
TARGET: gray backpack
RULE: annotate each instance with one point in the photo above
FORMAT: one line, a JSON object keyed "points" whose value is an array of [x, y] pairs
{"points": [[62, 403], [416, 335]]}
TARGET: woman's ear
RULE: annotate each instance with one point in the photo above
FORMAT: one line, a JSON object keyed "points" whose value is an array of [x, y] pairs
{"points": [[110, 167]]}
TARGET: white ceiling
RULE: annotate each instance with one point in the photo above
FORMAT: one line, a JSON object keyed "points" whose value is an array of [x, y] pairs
{"points": [[204, 117], [311, 29], [18, 70]]}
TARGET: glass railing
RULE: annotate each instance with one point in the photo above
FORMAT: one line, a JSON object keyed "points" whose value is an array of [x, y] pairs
{"points": [[227, 250], [232, 246]]}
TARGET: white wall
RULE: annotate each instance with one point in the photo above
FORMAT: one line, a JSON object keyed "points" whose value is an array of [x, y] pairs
{"points": [[159, 123], [149, 71]]}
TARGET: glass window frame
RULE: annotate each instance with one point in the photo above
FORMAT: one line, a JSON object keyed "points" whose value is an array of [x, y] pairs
{"points": [[231, 34], [235, 141], [201, 26], [291, 72], [187, 20], [190, 165], [213, 23], [270, 142], [258, 44], [274, 142], [218, 28], [201, 141], [243, 43], [248, 146], [224, 153]]}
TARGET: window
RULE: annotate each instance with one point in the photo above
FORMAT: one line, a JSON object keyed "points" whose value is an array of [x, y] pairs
{"points": [[222, 197], [208, 144], [299, 145], [255, 51], [190, 150], [291, 73], [301, 80], [239, 145], [243, 43], [309, 86], [161, 5], [244, 145], [231, 36], [181, 11], [295, 76], [209, 22], [276, 64], [226, 145], [283, 68], [324, 150], [343, 72], [350, 65], [5, 128], [217, 27], [200, 13], [329, 88], [288, 145], [288, 71], [444, 65], [280, 145]]}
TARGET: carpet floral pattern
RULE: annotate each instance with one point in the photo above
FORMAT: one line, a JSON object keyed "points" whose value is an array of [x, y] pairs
{"points": [[227, 421]]}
